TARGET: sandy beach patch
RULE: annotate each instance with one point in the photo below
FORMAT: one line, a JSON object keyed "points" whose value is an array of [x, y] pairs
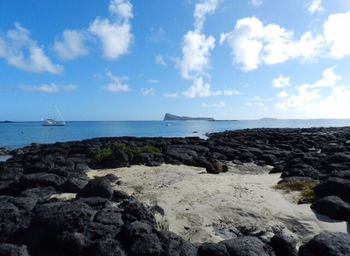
{"points": [[204, 207]]}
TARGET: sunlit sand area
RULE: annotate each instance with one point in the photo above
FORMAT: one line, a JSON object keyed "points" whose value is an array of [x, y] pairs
{"points": [[204, 207]]}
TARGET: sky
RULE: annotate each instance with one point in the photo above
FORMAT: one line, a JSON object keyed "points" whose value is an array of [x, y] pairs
{"points": [[137, 59]]}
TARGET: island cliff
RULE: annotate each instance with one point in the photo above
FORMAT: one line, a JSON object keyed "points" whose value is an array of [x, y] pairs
{"points": [[171, 117]]}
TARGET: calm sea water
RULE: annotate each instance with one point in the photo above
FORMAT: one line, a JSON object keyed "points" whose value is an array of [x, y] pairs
{"points": [[23, 133]]}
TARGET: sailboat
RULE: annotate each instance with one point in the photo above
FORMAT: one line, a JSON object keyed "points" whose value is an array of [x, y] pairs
{"points": [[54, 122]]}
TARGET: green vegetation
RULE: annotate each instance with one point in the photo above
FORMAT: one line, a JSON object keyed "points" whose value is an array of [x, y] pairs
{"points": [[106, 153], [136, 149], [306, 189], [102, 154]]}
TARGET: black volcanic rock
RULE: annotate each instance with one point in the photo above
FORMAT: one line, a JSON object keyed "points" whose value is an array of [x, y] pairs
{"points": [[248, 246], [327, 244], [98, 187], [101, 221], [333, 207]]}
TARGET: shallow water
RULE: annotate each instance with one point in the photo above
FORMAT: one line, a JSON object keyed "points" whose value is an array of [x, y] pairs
{"points": [[23, 133]]}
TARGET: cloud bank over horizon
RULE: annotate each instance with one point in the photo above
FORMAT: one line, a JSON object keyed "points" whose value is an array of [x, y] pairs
{"points": [[238, 57]]}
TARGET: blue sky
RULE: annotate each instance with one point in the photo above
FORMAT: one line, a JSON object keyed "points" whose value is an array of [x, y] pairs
{"points": [[137, 60]]}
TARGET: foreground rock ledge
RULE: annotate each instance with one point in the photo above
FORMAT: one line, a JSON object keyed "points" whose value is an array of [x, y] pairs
{"points": [[100, 221]]}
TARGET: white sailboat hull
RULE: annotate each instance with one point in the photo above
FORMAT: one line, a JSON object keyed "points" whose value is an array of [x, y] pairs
{"points": [[52, 122]]}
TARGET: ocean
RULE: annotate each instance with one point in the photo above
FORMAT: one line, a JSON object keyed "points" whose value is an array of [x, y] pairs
{"points": [[19, 134]]}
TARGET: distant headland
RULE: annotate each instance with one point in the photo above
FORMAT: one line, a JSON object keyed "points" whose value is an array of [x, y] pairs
{"points": [[171, 117]]}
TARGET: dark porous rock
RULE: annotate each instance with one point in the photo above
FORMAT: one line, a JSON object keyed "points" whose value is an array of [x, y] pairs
{"points": [[248, 246], [10, 188], [12, 221], [142, 158], [98, 187], [10, 173], [182, 155], [52, 218], [216, 167], [41, 194], [96, 203], [334, 187], [210, 249], [333, 207], [95, 231], [134, 210], [73, 243], [73, 185], [296, 179], [110, 216], [13, 250], [284, 245], [22, 203], [173, 245], [108, 247], [111, 177], [41, 180], [119, 196], [136, 229], [146, 245], [327, 244]]}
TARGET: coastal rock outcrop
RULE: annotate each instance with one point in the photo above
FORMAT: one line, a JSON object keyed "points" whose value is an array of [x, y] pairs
{"points": [[103, 221]]}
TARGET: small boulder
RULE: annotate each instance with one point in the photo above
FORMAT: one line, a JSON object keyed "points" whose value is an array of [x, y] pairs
{"points": [[98, 187], [334, 187], [248, 246], [13, 250], [333, 207], [210, 249], [327, 244], [146, 245], [41, 180], [284, 245]]}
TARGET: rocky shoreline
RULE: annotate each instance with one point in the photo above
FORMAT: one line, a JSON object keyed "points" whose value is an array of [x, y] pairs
{"points": [[102, 221]]}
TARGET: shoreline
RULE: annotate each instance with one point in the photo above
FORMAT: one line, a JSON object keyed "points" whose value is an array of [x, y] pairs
{"points": [[33, 176]]}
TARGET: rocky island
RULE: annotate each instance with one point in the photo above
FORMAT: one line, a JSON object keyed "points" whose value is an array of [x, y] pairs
{"points": [[171, 117], [118, 196]]}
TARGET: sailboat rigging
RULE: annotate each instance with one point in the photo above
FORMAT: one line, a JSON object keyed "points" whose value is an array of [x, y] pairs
{"points": [[54, 122]]}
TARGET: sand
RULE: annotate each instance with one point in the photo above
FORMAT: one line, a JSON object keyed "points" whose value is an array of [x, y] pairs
{"points": [[203, 207]]}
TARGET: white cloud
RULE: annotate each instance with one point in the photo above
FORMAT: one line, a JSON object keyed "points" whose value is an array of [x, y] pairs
{"points": [[160, 60], [281, 82], [121, 8], [115, 35], [202, 10], [148, 91], [282, 94], [220, 104], [226, 92], [116, 84], [20, 51], [323, 98], [48, 88], [253, 43], [198, 89], [256, 3], [72, 45], [196, 49], [315, 6], [336, 34]]}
